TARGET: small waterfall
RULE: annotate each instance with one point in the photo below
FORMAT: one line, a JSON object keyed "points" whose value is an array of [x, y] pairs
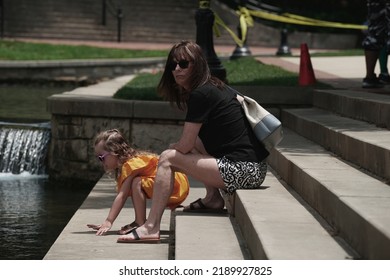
{"points": [[23, 147]]}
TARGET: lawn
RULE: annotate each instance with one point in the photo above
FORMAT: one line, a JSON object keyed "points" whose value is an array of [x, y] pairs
{"points": [[14, 50], [244, 71]]}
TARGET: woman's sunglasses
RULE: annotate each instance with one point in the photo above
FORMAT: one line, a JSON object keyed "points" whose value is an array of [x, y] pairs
{"points": [[183, 64], [101, 157]]}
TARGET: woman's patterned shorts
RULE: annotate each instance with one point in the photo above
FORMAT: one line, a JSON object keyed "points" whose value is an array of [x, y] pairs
{"points": [[241, 175]]}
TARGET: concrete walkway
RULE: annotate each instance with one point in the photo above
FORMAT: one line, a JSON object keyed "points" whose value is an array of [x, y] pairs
{"points": [[340, 72]]}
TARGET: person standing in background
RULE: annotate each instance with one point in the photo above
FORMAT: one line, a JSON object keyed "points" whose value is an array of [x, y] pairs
{"points": [[378, 16], [384, 76]]}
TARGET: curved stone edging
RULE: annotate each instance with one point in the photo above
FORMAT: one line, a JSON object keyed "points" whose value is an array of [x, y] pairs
{"points": [[87, 70]]}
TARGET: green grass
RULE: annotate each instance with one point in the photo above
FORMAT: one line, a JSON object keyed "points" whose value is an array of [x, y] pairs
{"points": [[248, 71], [13, 50], [244, 71], [142, 87]]}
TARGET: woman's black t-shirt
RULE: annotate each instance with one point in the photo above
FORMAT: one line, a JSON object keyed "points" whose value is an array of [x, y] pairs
{"points": [[225, 130]]}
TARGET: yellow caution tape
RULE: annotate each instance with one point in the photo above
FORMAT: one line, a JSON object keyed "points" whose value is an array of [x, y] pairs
{"points": [[246, 20], [219, 21], [204, 4], [296, 19]]}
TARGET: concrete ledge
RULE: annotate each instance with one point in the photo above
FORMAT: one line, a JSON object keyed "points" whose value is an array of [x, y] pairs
{"points": [[91, 70], [112, 108], [93, 101]]}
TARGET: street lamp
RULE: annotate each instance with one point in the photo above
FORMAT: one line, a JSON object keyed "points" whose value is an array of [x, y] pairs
{"points": [[204, 18]]}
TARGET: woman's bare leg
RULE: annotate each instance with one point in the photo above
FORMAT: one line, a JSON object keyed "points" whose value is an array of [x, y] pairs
{"points": [[201, 167], [213, 198]]}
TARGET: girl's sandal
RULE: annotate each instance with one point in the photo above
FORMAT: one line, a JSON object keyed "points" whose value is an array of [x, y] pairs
{"points": [[127, 228]]}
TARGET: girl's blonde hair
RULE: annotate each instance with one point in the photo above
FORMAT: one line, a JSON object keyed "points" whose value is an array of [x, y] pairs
{"points": [[115, 143]]}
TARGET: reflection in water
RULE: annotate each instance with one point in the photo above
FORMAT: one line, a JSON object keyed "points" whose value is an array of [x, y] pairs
{"points": [[33, 208], [33, 212]]}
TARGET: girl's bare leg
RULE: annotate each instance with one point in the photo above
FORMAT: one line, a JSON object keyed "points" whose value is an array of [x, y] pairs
{"points": [[139, 201]]}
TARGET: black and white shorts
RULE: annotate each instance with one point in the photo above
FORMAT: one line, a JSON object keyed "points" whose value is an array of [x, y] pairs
{"points": [[241, 174]]}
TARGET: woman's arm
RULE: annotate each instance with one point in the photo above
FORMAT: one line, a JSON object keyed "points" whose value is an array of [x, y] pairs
{"points": [[188, 138]]}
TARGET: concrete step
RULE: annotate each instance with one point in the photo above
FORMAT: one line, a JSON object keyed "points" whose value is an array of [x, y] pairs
{"points": [[359, 142], [355, 204], [361, 105], [201, 236], [278, 225], [77, 242]]}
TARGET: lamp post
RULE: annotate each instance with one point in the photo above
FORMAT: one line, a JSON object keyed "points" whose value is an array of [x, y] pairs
{"points": [[1, 19], [283, 49], [204, 18], [119, 16], [244, 50]]}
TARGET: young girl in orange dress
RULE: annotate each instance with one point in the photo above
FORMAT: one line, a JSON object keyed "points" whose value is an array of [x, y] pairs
{"points": [[135, 174]]}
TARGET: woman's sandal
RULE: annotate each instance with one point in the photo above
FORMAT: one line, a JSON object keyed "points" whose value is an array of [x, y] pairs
{"points": [[198, 207], [128, 228], [137, 238]]}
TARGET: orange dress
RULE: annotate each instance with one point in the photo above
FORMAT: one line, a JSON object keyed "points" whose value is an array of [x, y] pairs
{"points": [[145, 166]]}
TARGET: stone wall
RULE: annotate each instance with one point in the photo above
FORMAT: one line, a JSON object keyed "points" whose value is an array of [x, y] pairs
{"points": [[149, 125], [76, 121]]}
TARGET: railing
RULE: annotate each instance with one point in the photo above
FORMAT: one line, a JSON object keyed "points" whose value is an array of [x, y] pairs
{"points": [[114, 10]]}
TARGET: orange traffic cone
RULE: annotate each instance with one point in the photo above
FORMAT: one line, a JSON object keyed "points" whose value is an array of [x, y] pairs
{"points": [[306, 73]]}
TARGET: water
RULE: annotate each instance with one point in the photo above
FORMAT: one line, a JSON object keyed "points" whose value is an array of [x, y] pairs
{"points": [[34, 208], [27, 102], [23, 147], [33, 211]]}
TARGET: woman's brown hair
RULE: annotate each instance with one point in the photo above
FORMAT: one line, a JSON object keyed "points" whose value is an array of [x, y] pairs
{"points": [[167, 87]]}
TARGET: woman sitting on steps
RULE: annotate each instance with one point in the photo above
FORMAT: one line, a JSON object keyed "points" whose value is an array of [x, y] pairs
{"points": [[217, 146]]}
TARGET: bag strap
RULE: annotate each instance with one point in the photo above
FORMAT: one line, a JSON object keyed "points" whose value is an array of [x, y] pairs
{"points": [[240, 96]]}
